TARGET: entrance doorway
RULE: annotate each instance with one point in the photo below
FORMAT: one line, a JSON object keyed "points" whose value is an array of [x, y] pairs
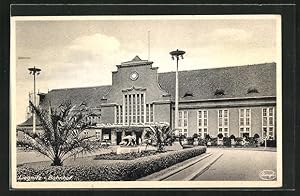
{"points": [[138, 137], [119, 137]]}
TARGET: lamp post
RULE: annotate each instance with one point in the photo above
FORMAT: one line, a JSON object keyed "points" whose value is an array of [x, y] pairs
{"points": [[175, 55], [34, 71]]}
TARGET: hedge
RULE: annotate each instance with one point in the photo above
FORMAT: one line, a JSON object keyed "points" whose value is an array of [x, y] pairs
{"points": [[124, 156], [128, 170]]}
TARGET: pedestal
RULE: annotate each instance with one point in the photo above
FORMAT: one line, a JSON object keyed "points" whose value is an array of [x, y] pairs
{"points": [[113, 137], [125, 150]]}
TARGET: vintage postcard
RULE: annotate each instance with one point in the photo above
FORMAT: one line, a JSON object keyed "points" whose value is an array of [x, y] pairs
{"points": [[169, 101]]}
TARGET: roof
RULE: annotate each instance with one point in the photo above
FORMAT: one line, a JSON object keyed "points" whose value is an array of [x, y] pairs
{"points": [[136, 61], [233, 81], [29, 122], [92, 96]]}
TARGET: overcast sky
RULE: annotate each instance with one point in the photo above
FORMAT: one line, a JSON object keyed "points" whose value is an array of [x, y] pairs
{"points": [[84, 53]]}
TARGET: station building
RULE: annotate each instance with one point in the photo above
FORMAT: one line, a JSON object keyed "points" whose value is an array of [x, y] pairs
{"points": [[239, 101]]}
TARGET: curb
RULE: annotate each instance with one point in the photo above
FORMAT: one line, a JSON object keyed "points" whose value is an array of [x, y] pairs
{"points": [[164, 176], [202, 169]]}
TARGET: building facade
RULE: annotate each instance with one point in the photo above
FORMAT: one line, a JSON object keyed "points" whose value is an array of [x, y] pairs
{"points": [[237, 101]]}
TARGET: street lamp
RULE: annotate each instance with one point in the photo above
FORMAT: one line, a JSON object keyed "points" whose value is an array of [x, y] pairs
{"points": [[175, 55], [34, 71]]}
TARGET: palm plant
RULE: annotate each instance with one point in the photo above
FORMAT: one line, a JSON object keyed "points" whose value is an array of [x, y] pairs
{"points": [[160, 135], [61, 136]]}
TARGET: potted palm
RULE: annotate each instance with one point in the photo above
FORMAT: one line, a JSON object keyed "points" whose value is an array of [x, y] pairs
{"points": [[196, 139], [232, 140], [256, 138], [220, 139]]}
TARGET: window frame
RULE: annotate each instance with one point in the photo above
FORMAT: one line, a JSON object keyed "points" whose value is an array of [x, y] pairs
{"points": [[183, 118], [201, 126], [221, 125], [268, 126], [243, 117]]}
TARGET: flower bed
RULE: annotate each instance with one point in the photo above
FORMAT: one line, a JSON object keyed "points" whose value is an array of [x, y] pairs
{"points": [[125, 156], [128, 170]]}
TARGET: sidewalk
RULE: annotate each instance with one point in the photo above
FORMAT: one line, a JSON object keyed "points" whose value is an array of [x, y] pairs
{"points": [[270, 149], [185, 170]]}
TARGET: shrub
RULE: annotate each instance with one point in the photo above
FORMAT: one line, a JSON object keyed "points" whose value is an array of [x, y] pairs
{"points": [[256, 136], [20, 143], [195, 135], [252, 142], [232, 137], [190, 140], [239, 141], [207, 137], [226, 141], [125, 156], [270, 143], [202, 142], [214, 141], [127, 170]]}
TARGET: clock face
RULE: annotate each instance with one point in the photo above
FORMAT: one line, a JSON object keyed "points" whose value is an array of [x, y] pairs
{"points": [[134, 75]]}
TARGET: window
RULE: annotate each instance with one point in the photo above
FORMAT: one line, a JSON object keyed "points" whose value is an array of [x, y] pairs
{"points": [[149, 113], [135, 110], [223, 122], [185, 132], [245, 122], [268, 129], [98, 134], [138, 110], [118, 114], [142, 108], [183, 123], [202, 118]]}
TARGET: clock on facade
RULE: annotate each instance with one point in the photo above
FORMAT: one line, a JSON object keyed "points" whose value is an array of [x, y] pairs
{"points": [[134, 75]]}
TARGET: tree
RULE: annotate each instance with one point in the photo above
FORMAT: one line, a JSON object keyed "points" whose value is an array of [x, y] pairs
{"points": [[160, 135], [62, 135]]}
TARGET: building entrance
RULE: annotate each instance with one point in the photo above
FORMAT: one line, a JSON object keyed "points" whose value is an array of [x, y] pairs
{"points": [[139, 138], [119, 137]]}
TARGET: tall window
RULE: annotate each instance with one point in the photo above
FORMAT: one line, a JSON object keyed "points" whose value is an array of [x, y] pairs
{"points": [[142, 108], [268, 123], [126, 108], [135, 110], [98, 134], [149, 113], [245, 122], [223, 122], [202, 117], [138, 108], [118, 114], [183, 123]]}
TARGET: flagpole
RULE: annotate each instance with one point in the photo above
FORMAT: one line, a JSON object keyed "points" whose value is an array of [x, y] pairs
{"points": [[148, 45]]}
